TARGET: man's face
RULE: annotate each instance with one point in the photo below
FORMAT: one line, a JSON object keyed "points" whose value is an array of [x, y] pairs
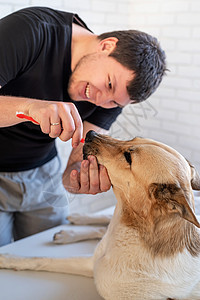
{"points": [[101, 80]]}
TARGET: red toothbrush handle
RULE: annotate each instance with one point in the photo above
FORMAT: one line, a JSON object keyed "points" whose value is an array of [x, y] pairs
{"points": [[23, 116]]}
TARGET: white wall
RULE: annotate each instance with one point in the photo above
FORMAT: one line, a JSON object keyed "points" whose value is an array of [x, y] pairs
{"points": [[171, 115], [99, 15], [177, 25]]}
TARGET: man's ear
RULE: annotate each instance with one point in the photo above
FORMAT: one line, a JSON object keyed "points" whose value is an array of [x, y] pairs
{"points": [[173, 199], [107, 44]]}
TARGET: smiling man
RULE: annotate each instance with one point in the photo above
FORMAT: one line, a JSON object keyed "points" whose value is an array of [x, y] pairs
{"points": [[69, 80], [107, 78]]}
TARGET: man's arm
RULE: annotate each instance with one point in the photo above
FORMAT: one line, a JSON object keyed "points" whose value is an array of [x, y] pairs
{"points": [[45, 113], [85, 176]]}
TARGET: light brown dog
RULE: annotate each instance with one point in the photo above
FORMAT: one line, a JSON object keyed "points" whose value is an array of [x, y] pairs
{"points": [[151, 249]]}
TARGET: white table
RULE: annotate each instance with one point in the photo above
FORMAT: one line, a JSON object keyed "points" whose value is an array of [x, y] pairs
{"points": [[32, 285]]}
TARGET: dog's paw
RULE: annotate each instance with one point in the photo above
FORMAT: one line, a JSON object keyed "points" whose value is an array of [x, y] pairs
{"points": [[78, 219], [64, 237], [6, 261], [79, 234], [2, 259], [89, 219]]}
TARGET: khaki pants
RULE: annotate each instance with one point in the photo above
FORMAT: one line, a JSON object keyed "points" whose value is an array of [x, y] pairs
{"points": [[31, 201]]}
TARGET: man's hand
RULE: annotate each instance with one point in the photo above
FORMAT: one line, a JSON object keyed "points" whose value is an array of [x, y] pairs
{"points": [[85, 176], [91, 179], [58, 119]]}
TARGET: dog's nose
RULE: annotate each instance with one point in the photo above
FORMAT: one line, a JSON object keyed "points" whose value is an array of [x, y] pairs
{"points": [[90, 136]]}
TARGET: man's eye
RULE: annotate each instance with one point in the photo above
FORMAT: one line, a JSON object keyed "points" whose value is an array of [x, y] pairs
{"points": [[110, 85]]}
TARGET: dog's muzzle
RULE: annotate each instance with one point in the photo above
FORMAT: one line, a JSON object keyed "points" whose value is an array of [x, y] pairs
{"points": [[90, 136], [88, 147]]}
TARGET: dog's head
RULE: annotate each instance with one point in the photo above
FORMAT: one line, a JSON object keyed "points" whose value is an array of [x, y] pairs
{"points": [[150, 179]]}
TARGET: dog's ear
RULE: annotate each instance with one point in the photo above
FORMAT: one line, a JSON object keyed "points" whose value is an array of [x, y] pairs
{"points": [[195, 181], [173, 199]]}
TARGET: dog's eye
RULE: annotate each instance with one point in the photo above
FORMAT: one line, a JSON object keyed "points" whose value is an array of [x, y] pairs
{"points": [[127, 155]]}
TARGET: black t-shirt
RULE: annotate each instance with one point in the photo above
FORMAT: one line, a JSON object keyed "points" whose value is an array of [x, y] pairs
{"points": [[35, 62]]}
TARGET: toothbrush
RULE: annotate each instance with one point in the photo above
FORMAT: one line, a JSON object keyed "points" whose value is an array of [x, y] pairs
{"points": [[21, 115]]}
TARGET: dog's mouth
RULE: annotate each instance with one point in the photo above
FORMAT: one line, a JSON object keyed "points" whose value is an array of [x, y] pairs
{"points": [[89, 147]]}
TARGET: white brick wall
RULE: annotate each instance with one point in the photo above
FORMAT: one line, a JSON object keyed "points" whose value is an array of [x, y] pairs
{"points": [[176, 24], [171, 115]]}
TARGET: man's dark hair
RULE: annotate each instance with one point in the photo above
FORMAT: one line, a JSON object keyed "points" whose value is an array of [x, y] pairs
{"points": [[141, 53]]}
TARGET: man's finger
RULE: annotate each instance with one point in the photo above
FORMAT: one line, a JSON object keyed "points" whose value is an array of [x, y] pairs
{"points": [[74, 182], [94, 175], [84, 177], [68, 128], [72, 124], [105, 183], [78, 133]]}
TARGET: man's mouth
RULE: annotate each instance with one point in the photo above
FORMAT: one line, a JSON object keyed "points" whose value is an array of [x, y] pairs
{"points": [[87, 91]]}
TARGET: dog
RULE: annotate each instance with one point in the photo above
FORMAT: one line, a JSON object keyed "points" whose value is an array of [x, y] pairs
{"points": [[151, 249]]}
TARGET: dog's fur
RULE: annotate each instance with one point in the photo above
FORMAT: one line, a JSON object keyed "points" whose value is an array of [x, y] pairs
{"points": [[151, 249]]}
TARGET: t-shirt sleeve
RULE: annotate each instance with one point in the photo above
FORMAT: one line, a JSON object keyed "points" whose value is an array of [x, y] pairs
{"points": [[103, 117], [19, 45]]}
